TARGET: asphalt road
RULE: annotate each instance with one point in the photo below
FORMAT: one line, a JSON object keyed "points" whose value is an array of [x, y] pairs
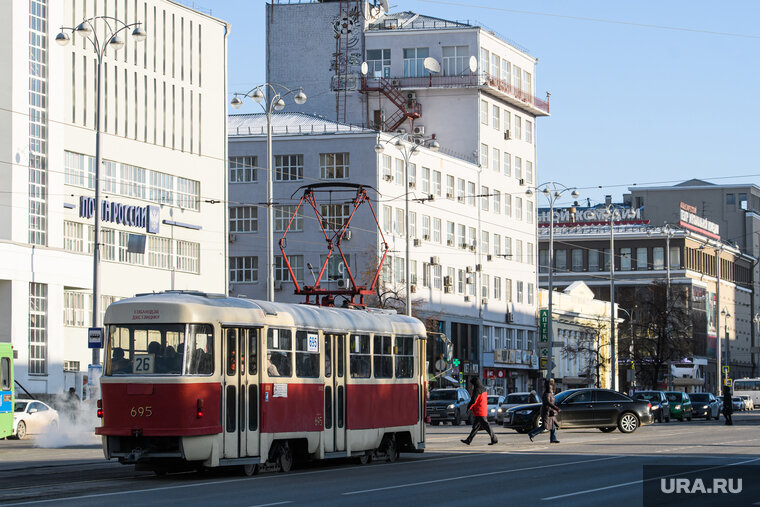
{"points": [[587, 468]]}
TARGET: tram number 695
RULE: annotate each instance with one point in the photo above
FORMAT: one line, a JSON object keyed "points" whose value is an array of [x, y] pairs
{"points": [[141, 411]]}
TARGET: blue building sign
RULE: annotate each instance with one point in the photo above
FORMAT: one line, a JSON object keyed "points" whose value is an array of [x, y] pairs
{"points": [[143, 217]]}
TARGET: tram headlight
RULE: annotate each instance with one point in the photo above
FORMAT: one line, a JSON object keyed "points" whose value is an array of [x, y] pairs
{"points": [[451, 407]]}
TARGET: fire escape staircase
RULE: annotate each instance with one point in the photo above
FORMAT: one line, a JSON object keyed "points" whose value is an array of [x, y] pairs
{"points": [[406, 109]]}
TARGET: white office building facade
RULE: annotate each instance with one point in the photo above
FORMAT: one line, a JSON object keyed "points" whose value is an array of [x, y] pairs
{"points": [[163, 145]]}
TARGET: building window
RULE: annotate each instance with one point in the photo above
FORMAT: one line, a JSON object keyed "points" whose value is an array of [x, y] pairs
{"points": [[529, 171], [37, 328], [161, 188], [518, 168], [333, 166], [508, 248], [188, 256], [484, 112], [188, 194], [288, 167], [414, 59], [398, 225], [497, 288], [244, 219], [560, 260], [437, 187], [159, 252], [426, 227], [675, 257], [483, 155], [484, 242], [455, 60], [530, 295], [529, 254], [244, 269], [460, 190], [471, 193], [436, 230], [496, 201], [529, 211], [399, 171], [625, 259], [73, 236], [508, 204], [484, 58], [730, 199], [496, 117], [379, 63], [281, 272], [518, 208], [425, 180], [485, 285], [243, 169], [495, 159], [508, 289], [282, 216], [642, 260], [437, 277], [449, 187], [529, 131], [497, 244], [495, 65], [507, 164], [387, 167], [484, 197], [606, 259], [543, 261], [334, 216], [75, 308], [79, 170], [658, 257], [519, 291], [593, 260], [387, 219], [577, 261]]}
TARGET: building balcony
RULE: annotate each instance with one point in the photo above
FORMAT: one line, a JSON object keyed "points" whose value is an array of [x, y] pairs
{"points": [[482, 80]]}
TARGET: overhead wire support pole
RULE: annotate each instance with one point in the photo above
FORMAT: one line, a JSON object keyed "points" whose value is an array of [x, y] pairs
{"points": [[276, 102], [88, 29]]}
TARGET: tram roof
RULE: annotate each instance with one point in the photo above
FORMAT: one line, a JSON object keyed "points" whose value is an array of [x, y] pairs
{"points": [[185, 306]]}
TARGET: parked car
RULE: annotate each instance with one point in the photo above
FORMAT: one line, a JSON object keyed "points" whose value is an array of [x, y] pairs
{"points": [[448, 405], [738, 404], [494, 402], [660, 404], [680, 405], [586, 408], [31, 417], [514, 399], [748, 402], [705, 405]]}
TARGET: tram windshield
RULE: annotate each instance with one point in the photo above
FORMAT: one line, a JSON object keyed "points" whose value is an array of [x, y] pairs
{"points": [[160, 349]]}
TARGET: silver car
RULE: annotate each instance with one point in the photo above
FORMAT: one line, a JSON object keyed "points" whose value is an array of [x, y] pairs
{"points": [[494, 402], [513, 400]]}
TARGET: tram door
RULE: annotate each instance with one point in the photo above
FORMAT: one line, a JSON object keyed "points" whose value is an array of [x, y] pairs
{"points": [[422, 369], [241, 391], [335, 392]]}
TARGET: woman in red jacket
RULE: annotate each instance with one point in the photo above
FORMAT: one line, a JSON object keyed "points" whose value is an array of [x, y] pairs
{"points": [[479, 407]]}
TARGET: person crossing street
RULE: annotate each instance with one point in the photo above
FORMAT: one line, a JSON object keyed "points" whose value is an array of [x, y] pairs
{"points": [[548, 414], [479, 407]]}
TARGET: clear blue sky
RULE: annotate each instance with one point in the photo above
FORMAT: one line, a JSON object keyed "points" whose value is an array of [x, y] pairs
{"points": [[630, 103]]}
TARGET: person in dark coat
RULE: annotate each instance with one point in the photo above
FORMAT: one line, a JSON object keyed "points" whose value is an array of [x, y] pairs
{"points": [[728, 405], [549, 413], [479, 407]]}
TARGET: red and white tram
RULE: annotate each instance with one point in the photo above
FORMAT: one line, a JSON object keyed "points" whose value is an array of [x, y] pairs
{"points": [[194, 379]]}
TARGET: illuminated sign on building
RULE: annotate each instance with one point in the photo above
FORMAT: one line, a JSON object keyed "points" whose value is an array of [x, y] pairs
{"points": [[690, 220], [144, 217], [586, 215]]}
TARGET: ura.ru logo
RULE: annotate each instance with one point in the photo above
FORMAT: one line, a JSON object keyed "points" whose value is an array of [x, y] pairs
{"points": [[717, 485]]}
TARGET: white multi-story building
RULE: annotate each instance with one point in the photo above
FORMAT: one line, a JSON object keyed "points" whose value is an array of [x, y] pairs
{"points": [[162, 184], [480, 106]]}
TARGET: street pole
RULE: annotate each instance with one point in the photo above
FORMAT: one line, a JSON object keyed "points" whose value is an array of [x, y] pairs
{"points": [[719, 374], [270, 212], [96, 239], [613, 347], [668, 233], [88, 30], [407, 282], [549, 323]]}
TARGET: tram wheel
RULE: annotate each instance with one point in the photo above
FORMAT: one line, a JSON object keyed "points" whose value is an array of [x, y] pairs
{"points": [[391, 450], [249, 470], [365, 459], [285, 458]]}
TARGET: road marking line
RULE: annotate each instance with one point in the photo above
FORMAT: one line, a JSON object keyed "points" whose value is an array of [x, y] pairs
{"points": [[275, 503], [641, 481], [497, 472]]}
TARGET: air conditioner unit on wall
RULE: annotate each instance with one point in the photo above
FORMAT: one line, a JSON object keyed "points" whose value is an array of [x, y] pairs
{"points": [[483, 301], [342, 283], [411, 184], [395, 82], [448, 289], [388, 177], [435, 261], [417, 242], [419, 129], [347, 236], [411, 96], [467, 298], [510, 317], [507, 135], [233, 238], [521, 181]]}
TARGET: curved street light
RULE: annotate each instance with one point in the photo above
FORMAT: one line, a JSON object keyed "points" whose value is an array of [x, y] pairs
{"points": [[552, 190], [112, 28], [275, 103], [407, 144]]}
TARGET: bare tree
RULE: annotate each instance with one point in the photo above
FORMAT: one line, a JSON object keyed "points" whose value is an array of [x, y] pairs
{"points": [[591, 349]]}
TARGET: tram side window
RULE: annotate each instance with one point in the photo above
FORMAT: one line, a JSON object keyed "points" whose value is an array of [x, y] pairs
{"points": [[231, 351], [279, 353], [198, 350], [359, 363], [307, 354], [404, 357], [253, 351], [328, 356], [383, 358]]}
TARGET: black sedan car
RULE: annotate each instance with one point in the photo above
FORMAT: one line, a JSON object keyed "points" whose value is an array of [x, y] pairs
{"points": [[660, 404], [705, 405], [586, 408]]}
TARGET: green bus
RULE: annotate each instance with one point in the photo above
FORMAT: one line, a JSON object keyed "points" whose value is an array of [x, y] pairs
{"points": [[6, 390]]}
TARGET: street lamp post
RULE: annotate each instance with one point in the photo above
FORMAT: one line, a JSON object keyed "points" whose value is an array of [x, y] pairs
{"points": [[669, 231], [112, 28], [726, 315], [407, 149], [631, 347], [552, 191], [276, 102]]}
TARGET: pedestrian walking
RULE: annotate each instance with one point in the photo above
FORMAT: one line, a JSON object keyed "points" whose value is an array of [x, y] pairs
{"points": [[549, 413], [728, 405], [479, 407]]}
